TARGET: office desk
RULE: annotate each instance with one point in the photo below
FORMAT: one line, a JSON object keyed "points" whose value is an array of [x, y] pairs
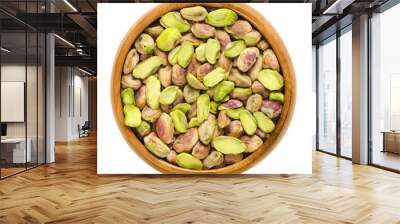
{"points": [[391, 141], [16, 147]]}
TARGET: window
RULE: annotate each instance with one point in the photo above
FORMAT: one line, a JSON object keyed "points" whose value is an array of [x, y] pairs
{"points": [[327, 96], [385, 89], [346, 93]]}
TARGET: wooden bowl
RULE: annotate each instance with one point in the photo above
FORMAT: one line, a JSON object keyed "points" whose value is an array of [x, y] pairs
{"points": [[287, 70]]}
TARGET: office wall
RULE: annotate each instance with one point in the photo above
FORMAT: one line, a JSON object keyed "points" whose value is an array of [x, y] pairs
{"points": [[71, 102]]}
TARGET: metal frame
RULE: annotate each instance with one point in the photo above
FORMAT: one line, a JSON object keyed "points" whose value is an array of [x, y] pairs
{"points": [[44, 74]]}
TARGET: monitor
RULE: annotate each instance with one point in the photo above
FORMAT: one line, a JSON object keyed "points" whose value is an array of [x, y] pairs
{"points": [[3, 129]]}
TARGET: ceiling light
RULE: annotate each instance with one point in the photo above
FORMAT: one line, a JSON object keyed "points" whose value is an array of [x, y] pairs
{"points": [[5, 50], [64, 40], [70, 5], [84, 71], [338, 6]]}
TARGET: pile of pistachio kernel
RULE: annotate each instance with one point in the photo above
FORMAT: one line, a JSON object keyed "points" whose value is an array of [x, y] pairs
{"points": [[202, 89]]}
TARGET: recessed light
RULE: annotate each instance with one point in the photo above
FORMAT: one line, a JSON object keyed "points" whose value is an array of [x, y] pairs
{"points": [[70, 5], [64, 40], [5, 50]]}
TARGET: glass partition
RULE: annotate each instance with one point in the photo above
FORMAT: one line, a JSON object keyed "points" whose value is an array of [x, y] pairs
{"points": [[14, 155], [385, 89], [346, 93], [327, 96], [22, 77]]}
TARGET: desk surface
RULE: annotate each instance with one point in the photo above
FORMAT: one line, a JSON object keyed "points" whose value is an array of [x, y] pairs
{"points": [[391, 132], [13, 140]]}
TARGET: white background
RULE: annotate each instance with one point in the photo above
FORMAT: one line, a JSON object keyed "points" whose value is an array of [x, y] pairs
{"points": [[291, 156]]}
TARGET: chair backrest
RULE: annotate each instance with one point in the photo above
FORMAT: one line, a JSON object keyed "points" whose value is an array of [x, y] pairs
{"points": [[86, 125]]}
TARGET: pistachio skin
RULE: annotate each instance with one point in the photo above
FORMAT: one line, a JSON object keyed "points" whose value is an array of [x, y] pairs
{"points": [[175, 20], [127, 81], [203, 30], [263, 45], [223, 38], [156, 146], [186, 141], [258, 88], [203, 70], [140, 97], [254, 103], [225, 63], [253, 143], [239, 28], [144, 44], [230, 104], [131, 61], [270, 60], [253, 72], [165, 76], [232, 158], [196, 13], [200, 151], [189, 37], [213, 160], [234, 129], [150, 115], [178, 75], [171, 157], [239, 79], [223, 120], [206, 129], [271, 108], [165, 128], [247, 58], [154, 31]]}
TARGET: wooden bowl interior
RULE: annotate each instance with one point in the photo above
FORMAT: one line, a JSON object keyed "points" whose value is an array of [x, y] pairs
{"points": [[287, 70]]}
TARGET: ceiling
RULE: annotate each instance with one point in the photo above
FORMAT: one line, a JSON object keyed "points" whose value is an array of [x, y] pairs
{"points": [[76, 22]]}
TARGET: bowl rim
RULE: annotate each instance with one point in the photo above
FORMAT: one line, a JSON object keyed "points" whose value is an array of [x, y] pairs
{"points": [[286, 69]]}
